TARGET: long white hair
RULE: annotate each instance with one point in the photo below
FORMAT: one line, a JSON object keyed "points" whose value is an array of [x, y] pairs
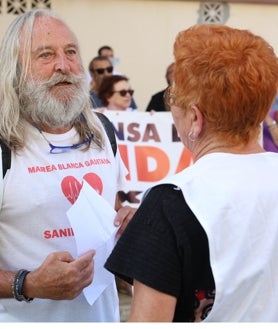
{"points": [[13, 75]]}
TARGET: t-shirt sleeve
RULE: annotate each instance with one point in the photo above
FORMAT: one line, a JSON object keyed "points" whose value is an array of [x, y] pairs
{"points": [[148, 250]]}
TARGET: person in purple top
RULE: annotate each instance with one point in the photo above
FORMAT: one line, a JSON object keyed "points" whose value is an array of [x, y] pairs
{"points": [[270, 131]]}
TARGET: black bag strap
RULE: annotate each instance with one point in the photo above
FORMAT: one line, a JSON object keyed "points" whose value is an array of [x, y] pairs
{"points": [[6, 157], [108, 126]]}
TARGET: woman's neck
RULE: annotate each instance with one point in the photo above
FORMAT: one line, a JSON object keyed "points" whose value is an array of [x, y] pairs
{"points": [[210, 147], [112, 107]]}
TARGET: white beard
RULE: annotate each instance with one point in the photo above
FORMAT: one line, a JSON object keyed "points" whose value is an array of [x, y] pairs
{"points": [[59, 109]]}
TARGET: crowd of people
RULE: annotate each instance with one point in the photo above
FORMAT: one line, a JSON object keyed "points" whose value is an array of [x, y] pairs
{"points": [[105, 84], [202, 244], [103, 66], [157, 101]]}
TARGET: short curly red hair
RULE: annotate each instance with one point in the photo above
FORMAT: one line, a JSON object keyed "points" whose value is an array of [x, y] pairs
{"points": [[230, 74]]}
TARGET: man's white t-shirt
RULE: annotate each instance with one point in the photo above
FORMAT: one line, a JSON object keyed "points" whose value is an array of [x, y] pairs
{"points": [[38, 190]]}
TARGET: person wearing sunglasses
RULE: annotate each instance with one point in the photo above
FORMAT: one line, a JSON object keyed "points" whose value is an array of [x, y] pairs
{"points": [[101, 67], [116, 93], [57, 145]]}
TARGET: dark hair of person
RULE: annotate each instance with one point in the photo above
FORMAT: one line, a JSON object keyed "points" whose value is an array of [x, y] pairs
{"points": [[106, 88], [103, 48], [95, 59]]}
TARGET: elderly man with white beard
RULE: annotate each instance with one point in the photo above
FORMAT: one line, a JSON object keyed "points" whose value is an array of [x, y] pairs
{"points": [[47, 122]]}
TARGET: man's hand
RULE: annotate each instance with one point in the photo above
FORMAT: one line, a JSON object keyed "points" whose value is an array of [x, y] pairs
{"points": [[60, 276]]}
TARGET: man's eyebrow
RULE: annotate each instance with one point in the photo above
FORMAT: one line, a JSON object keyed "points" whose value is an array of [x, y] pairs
{"points": [[72, 45], [42, 48]]}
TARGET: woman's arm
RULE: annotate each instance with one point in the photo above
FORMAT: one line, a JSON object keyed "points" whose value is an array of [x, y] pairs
{"points": [[150, 305]]}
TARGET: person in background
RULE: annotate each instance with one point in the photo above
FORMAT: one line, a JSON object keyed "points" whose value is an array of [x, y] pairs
{"points": [[156, 102], [115, 93], [106, 51], [275, 103], [270, 131], [47, 123], [202, 246], [99, 68], [109, 52]]}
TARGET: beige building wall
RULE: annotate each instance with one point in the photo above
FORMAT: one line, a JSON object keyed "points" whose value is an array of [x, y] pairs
{"points": [[142, 32]]}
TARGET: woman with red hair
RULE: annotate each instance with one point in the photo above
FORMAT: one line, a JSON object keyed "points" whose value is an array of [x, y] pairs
{"points": [[203, 244]]}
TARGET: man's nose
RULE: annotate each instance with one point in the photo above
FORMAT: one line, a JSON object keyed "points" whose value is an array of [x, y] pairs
{"points": [[106, 73], [62, 64]]}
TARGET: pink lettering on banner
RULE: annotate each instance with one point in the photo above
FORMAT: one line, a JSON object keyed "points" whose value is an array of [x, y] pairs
{"points": [[71, 186]]}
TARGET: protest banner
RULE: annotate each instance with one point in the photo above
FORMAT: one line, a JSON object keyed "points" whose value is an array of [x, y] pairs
{"points": [[150, 147]]}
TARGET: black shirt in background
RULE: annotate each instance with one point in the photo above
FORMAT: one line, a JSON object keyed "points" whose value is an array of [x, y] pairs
{"points": [[157, 103]]}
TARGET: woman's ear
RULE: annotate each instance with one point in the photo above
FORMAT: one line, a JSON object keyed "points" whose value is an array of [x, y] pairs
{"points": [[197, 120]]}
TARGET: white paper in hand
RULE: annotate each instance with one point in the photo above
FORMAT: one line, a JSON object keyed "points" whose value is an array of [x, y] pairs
{"points": [[91, 218]]}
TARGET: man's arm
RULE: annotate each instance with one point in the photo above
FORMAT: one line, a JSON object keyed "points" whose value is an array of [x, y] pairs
{"points": [[60, 276], [6, 279]]}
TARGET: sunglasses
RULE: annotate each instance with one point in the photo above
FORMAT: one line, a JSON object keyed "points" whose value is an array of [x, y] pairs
{"points": [[124, 92], [108, 69]]}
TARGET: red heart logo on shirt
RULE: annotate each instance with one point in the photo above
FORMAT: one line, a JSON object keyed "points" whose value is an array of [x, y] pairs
{"points": [[71, 186]]}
